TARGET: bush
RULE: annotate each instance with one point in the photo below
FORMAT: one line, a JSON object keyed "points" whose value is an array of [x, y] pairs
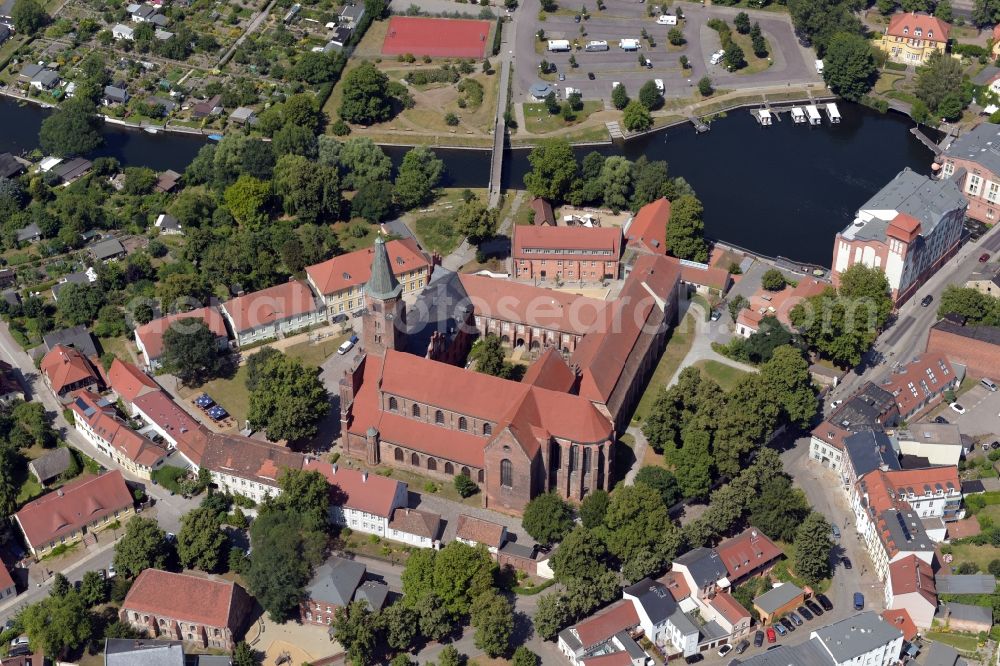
{"points": [[340, 128], [465, 486], [430, 487], [450, 119]]}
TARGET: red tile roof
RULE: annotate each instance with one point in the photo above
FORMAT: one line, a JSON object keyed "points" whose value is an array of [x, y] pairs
{"points": [[184, 597], [573, 243], [76, 504], [550, 371], [5, 580], [911, 574], [931, 28], [128, 381], [478, 530], [151, 334], [648, 228], [248, 458], [270, 306], [103, 420], [65, 366], [917, 382], [177, 423], [533, 306], [675, 582], [543, 211], [746, 552], [621, 658], [729, 608], [617, 617], [900, 619], [903, 226], [411, 521], [779, 304], [370, 493], [354, 268], [713, 278], [602, 353]]}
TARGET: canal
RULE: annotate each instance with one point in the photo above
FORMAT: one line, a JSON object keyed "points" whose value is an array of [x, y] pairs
{"points": [[783, 190]]}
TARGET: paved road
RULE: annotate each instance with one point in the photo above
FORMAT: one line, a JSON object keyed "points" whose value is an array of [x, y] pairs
{"points": [[254, 24]]}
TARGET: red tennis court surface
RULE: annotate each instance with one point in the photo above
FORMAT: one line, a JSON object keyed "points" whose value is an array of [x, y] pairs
{"points": [[436, 37]]}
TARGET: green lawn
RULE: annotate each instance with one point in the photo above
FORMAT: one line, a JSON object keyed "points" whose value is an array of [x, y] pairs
{"points": [[29, 488], [961, 642], [437, 233], [981, 556], [678, 345], [169, 477], [538, 120], [231, 393], [724, 375], [313, 354], [355, 234], [754, 64]]}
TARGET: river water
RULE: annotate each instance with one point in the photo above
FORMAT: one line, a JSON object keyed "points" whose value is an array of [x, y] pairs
{"points": [[781, 190]]}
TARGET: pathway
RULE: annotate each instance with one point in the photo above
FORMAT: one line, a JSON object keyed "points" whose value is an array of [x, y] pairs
{"points": [[704, 335], [251, 28], [499, 134], [639, 450]]}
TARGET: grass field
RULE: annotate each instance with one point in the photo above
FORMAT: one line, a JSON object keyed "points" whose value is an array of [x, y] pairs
{"points": [[755, 65], [679, 344], [538, 120], [230, 393], [725, 375], [435, 226], [961, 642], [886, 81], [981, 556]]}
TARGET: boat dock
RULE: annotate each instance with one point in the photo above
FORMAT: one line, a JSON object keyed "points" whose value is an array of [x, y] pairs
{"points": [[812, 114], [614, 131], [699, 126], [767, 114], [763, 117], [833, 113], [798, 115]]}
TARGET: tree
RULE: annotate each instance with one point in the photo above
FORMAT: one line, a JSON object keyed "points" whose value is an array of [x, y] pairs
{"points": [[582, 565], [773, 280], [366, 96], [551, 615], [450, 657], [640, 535], [248, 199], [849, 66], [289, 400], [73, 129], [476, 221], [547, 518], [619, 97], [593, 508], [284, 553], [693, 464], [820, 20], [144, 546], [660, 480], [190, 351], [419, 174], [938, 80], [57, 624], [742, 23], [307, 494], [786, 380], [615, 182], [705, 86], [399, 624], [636, 117], [943, 11], [650, 181], [28, 16], [441, 585], [812, 548], [201, 540], [524, 657], [553, 167], [493, 619], [244, 655], [675, 36], [360, 161], [758, 42], [79, 304], [60, 585], [354, 627], [373, 201], [977, 308], [307, 190], [465, 486], [735, 58], [686, 231], [93, 589], [986, 12], [649, 96], [778, 509]]}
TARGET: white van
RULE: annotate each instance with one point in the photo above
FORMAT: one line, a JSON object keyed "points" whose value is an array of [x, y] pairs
{"points": [[666, 19], [629, 44], [348, 345], [988, 383], [717, 57], [614, 85], [659, 85]]}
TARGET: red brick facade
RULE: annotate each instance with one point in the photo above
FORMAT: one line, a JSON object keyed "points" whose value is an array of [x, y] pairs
{"points": [[980, 355]]}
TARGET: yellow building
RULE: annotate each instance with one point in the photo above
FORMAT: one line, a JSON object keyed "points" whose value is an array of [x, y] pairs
{"points": [[912, 37]]}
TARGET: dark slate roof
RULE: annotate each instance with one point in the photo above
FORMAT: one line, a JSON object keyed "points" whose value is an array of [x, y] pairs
{"points": [[382, 284], [704, 564], [777, 597], [939, 654], [52, 464], [655, 599], [106, 249], [374, 593], [77, 337], [9, 166], [988, 334], [923, 198], [130, 652], [28, 232], [973, 487], [437, 309], [72, 278], [980, 145], [809, 653], [335, 581], [970, 612], [115, 94], [870, 450], [862, 410], [966, 584], [72, 169], [856, 635]]}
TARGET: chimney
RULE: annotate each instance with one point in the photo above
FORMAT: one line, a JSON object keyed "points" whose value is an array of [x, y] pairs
{"points": [[60, 492], [334, 468], [364, 477]]}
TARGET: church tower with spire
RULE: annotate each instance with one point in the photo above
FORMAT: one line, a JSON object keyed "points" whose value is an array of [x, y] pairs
{"points": [[384, 320]]}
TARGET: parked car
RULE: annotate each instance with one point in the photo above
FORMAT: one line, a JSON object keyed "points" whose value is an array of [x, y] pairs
{"points": [[825, 602], [348, 345], [695, 658], [717, 57], [716, 315], [787, 624], [957, 407], [984, 257], [780, 628], [836, 403], [846, 561], [859, 601], [742, 647], [814, 607], [112, 572], [20, 640], [590, 75], [804, 612], [926, 300], [724, 649], [796, 620], [995, 445], [758, 638], [576, 18], [940, 419], [836, 531], [562, 77]]}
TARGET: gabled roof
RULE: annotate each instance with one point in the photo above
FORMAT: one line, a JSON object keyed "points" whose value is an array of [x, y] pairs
{"points": [[354, 268], [777, 597], [77, 337], [107, 249], [372, 592], [185, 597], [477, 530], [151, 334], [655, 599], [704, 565], [128, 381], [573, 243], [728, 607], [369, 493], [746, 552], [543, 211], [76, 504], [104, 422], [648, 229], [248, 458], [131, 652], [51, 464], [907, 24], [65, 366], [335, 581], [870, 450], [412, 521], [600, 627], [900, 618], [270, 306], [856, 635], [912, 575], [914, 383], [550, 371]]}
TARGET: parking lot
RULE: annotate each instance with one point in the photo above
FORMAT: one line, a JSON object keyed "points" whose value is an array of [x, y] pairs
{"points": [[982, 412], [625, 19]]}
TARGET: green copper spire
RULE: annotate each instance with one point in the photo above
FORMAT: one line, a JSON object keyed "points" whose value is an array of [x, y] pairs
{"points": [[382, 284]]}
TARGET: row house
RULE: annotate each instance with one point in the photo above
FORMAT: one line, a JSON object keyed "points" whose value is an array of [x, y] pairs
{"points": [[910, 587], [870, 408], [202, 612], [67, 515], [612, 631], [561, 254], [149, 336], [921, 383], [340, 281], [98, 421], [272, 313], [908, 230], [864, 639]]}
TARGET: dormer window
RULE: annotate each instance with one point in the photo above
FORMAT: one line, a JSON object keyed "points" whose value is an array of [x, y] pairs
{"points": [[918, 32], [906, 31], [930, 34]]}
